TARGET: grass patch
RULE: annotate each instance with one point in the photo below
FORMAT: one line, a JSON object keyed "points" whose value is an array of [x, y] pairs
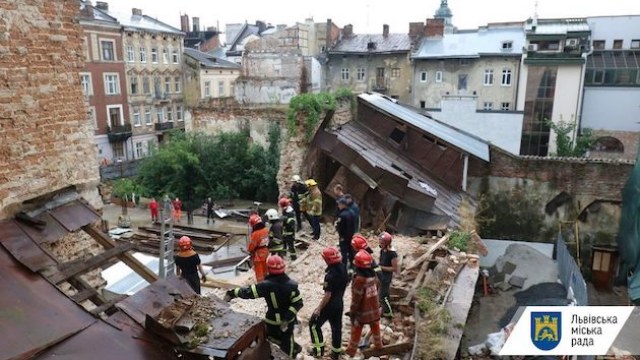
{"points": [[435, 322], [459, 240], [201, 329]]}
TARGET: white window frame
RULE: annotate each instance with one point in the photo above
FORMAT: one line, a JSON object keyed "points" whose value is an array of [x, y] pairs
{"points": [[160, 115], [438, 76], [507, 74], [87, 87], [165, 55], [134, 80], [113, 48], [488, 105], [488, 77], [143, 54], [106, 83], [344, 74], [167, 84], [154, 54], [137, 120], [221, 89], [505, 106], [177, 85], [139, 150], [148, 118], [131, 54], [169, 114], [207, 89], [179, 114], [361, 74], [395, 73], [175, 57], [507, 45], [635, 44], [119, 106], [424, 77]]}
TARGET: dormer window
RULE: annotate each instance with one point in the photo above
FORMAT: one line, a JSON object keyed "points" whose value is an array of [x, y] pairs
{"points": [[371, 45], [507, 45]]}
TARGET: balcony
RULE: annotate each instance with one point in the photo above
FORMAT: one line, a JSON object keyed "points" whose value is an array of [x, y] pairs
{"points": [[164, 126], [119, 133], [161, 97]]}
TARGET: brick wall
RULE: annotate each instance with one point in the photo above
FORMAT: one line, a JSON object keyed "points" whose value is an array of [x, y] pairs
{"points": [[44, 129], [629, 140]]}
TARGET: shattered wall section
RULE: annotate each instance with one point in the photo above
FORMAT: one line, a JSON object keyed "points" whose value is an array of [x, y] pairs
{"points": [[44, 125]]}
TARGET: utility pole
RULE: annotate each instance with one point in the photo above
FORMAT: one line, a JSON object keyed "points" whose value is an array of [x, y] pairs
{"points": [[166, 260]]}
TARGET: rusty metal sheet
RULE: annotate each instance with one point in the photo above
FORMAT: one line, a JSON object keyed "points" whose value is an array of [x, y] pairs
{"points": [[22, 247], [103, 342], [52, 232], [74, 215], [30, 305]]}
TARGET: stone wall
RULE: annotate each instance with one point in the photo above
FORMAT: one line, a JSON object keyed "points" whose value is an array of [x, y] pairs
{"points": [[629, 140], [44, 126]]}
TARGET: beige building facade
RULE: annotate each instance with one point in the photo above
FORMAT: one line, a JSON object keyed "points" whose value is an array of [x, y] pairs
{"points": [[208, 77]]}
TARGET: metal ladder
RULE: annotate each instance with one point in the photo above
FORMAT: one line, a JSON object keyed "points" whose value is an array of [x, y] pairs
{"points": [[166, 261]]}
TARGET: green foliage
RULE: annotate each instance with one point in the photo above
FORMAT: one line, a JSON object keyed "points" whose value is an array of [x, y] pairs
{"points": [[565, 144], [125, 187], [311, 106], [459, 240], [510, 215]]}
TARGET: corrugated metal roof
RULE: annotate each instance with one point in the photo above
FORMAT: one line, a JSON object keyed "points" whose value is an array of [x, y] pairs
{"points": [[210, 60], [22, 247], [473, 44], [359, 44], [446, 133]]}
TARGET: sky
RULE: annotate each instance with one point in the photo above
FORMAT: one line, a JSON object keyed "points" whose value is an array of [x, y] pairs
{"points": [[368, 16]]}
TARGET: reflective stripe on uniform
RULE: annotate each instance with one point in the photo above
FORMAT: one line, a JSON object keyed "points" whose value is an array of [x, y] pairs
{"points": [[317, 345], [293, 310], [274, 301], [296, 298], [271, 322], [236, 291], [254, 290]]}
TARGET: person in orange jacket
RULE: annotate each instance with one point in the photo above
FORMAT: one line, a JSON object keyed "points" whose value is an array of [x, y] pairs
{"points": [[258, 246]]}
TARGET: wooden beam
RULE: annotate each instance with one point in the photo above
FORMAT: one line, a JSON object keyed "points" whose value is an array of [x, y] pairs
{"points": [[106, 306], [395, 349], [417, 281], [104, 240], [429, 252], [84, 295], [67, 270]]}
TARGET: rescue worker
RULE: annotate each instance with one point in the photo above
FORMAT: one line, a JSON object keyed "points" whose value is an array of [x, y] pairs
{"points": [[344, 227], [314, 207], [258, 246], [188, 264], [331, 306], [298, 192], [359, 242], [389, 266], [209, 204], [283, 303], [365, 307], [289, 226], [276, 242], [338, 191], [177, 208], [153, 208]]}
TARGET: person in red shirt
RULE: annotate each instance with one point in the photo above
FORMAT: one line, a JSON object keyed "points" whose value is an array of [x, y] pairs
{"points": [[153, 207], [177, 207], [258, 246]]}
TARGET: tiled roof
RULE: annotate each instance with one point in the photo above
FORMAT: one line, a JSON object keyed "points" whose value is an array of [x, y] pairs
{"points": [[360, 44], [209, 60], [473, 44]]}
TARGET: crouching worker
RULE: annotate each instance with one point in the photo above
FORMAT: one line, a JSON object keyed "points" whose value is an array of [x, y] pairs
{"points": [[331, 306], [283, 303]]}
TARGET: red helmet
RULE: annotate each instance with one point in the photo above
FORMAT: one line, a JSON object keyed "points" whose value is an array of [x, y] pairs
{"points": [[275, 265], [254, 219], [284, 202], [331, 255], [385, 239], [363, 259], [184, 243], [359, 242]]}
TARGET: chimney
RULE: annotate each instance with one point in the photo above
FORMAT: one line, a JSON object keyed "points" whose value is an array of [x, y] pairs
{"points": [[262, 26], [102, 5], [328, 40], [184, 23], [416, 29], [196, 23], [385, 30], [434, 28], [135, 11], [347, 31]]}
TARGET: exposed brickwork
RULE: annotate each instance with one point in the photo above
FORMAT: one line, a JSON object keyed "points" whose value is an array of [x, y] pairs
{"points": [[628, 138], [44, 129]]}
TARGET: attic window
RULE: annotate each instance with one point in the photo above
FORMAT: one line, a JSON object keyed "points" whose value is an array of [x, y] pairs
{"points": [[507, 45], [371, 45], [435, 141], [397, 135]]}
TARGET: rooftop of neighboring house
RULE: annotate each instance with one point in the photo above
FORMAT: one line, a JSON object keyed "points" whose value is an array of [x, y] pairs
{"points": [[237, 33], [91, 13], [492, 40], [210, 61], [372, 43], [138, 21], [556, 26]]}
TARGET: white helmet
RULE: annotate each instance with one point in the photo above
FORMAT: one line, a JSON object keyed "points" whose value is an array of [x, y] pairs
{"points": [[272, 214], [296, 178]]}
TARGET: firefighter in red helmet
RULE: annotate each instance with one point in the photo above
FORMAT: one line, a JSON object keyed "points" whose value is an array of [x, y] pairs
{"points": [[188, 264], [388, 266], [283, 303], [258, 246]]}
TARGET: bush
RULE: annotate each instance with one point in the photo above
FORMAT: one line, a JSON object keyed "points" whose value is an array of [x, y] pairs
{"points": [[459, 240]]}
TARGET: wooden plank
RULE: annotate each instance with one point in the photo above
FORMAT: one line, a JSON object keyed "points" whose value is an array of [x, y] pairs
{"points": [[84, 295], [68, 270], [417, 281], [395, 349], [104, 240], [429, 252], [109, 304]]}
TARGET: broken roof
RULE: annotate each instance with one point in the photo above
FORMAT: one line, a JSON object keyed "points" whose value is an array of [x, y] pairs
{"points": [[359, 44], [210, 61], [455, 137]]}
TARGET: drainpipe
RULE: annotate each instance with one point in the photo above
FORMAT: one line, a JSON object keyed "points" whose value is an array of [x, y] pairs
{"points": [[580, 103], [464, 172]]}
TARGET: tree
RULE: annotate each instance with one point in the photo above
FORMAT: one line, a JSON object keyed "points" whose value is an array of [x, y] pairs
{"points": [[565, 144]]}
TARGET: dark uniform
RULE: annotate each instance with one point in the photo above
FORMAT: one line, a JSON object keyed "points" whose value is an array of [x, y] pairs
{"points": [[289, 231], [345, 229], [335, 282], [298, 190], [276, 242], [386, 257], [283, 303]]}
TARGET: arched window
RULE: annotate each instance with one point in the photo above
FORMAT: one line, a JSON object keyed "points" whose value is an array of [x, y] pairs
{"points": [[608, 144]]}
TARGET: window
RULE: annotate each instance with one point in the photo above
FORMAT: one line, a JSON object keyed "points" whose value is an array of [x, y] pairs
{"points": [[160, 114], [505, 106], [137, 121], [220, 88], [170, 114], [154, 55], [131, 54], [423, 104], [345, 74], [167, 85], [462, 81], [145, 85], [175, 57], [635, 44], [134, 85], [487, 105], [111, 84], [85, 48], [506, 77], [423, 76], [114, 112], [118, 149], [177, 84], [165, 55], [107, 50], [147, 117], [464, 62], [143, 54], [85, 81], [207, 89], [397, 135], [139, 150], [179, 113], [598, 44], [232, 89], [438, 76], [617, 44], [395, 72], [507, 45], [360, 74], [488, 77]]}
